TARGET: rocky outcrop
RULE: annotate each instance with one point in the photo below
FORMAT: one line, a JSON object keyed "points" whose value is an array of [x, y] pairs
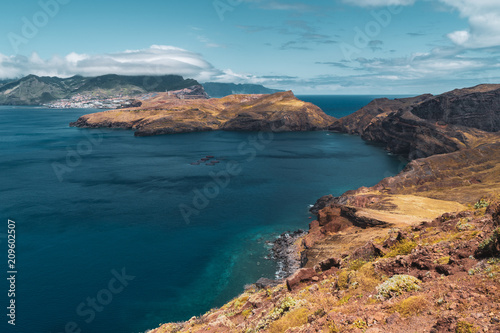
{"points": [[427, 125], [477, 107], [166, 114], [357, 122]]}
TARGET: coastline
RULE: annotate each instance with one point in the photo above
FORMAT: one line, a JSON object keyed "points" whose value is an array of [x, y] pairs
{"points": [[356, 231]]}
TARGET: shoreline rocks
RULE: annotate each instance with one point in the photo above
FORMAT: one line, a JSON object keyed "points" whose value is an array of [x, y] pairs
{"points": [[285, 253]]}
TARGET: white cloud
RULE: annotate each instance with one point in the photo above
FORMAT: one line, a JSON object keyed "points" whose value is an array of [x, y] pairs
{"points": [[379, 3], [483, 16], [459, 37], [484, 22], [156, 60]]}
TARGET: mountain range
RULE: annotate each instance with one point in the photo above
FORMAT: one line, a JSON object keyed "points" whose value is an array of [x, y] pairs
{"points": [[36, 90]]}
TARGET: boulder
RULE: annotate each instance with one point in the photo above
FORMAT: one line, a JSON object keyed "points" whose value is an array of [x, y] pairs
{"points": [[303, 274]]}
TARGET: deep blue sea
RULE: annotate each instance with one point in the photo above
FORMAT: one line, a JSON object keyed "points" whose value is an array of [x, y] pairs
{"points": [[119, 234]]}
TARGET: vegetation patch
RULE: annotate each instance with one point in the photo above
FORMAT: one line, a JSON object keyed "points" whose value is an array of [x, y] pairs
{"points": [[481, 204], [397, 285], [356, 264], [491, 246], [465, 327], [443, 260], [412, 306], [294, 318], [401, 248]]}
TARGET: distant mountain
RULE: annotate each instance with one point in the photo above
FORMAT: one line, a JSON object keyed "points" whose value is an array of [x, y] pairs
{"points": [[36, 90], [217, 90]]}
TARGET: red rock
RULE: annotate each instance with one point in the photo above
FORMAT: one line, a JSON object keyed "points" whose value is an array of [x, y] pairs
{"points": [[299, 276]]}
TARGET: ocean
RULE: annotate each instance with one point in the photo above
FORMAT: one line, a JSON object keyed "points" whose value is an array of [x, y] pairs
{"points": [[120, 234]]}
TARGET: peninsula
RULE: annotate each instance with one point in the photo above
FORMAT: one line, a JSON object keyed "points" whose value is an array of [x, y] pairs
{"points": [[167, 114]]}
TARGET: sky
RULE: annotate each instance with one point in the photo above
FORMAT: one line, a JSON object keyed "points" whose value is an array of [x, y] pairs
{"points": [[316, 47]]}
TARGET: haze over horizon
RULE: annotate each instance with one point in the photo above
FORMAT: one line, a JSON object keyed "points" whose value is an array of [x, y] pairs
{"points": [[320, 47]]}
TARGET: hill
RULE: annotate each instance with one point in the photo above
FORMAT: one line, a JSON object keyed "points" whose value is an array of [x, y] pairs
{"points": [[217, 90], [427, 125], [167, 114], [36, 90]]}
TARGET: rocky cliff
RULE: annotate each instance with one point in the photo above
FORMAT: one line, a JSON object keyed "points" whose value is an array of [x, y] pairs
{"points": [[165, 114], [427, 125]]}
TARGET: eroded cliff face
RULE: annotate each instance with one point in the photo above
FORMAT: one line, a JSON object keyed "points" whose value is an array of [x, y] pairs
{"points": [[477, 107], [164, 114], [427, 125]]}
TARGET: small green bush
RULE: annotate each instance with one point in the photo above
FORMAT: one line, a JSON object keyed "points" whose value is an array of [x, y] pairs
{"points": [[489, 246], [396, 285], [481, 204]]}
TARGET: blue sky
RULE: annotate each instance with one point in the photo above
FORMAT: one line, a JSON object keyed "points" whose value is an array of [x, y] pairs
{"points": [[316, 47]]}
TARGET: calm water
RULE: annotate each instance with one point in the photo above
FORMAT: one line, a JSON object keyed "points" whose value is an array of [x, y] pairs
{"points": [[340, 106], [115, 206]]}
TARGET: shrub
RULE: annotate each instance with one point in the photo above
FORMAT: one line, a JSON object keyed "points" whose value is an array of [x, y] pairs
{"points": [[412, 306], [344, 300], [367, 277], [361, 324], [356, 264], [343, 280], [465, 327], [240, 302], [333, 328], [444, 260], [464, 225], [285, 305], [401, 248], [396, 285], [481, 204], [246, 313], [489, 247], [294, 318]]}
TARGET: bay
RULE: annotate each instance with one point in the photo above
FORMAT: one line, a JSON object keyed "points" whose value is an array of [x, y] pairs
{"points": [[93, 204]]}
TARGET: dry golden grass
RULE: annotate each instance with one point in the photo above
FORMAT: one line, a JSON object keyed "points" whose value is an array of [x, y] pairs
{"points": [[411, 209], [293, 318], [412, 306]]}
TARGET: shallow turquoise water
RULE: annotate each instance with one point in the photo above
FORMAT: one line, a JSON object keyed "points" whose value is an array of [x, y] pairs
{"points": [[118, 208]]}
